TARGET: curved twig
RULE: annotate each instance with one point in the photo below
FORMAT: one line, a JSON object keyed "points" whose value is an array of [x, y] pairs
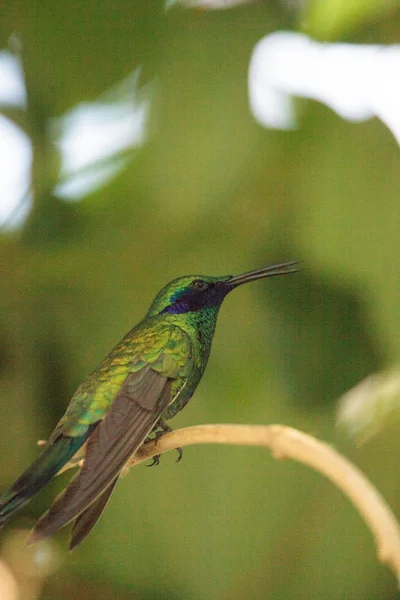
{"points": [[286, 442]]}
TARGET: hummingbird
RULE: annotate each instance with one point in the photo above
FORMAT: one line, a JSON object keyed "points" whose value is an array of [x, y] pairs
{"points": [[148, 377]]}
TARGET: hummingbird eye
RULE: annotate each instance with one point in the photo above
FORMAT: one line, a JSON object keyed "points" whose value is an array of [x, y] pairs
{"points": [[198, 284]]}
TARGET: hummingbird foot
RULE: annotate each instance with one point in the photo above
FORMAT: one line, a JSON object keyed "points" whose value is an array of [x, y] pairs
{"points": [[161, 428], [155, 461]]}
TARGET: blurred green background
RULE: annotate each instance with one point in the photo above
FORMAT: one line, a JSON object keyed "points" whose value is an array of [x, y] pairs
{"points": [[209, 191]]}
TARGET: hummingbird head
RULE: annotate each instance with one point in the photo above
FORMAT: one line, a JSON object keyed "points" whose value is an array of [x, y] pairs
{"points": [[193, 293]]}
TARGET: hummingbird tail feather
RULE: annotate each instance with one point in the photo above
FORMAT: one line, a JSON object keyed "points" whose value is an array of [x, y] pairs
{"points": [[53, 457], [89, 517]]}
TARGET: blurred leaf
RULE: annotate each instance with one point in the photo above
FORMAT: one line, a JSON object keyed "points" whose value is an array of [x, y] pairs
{"points": [[52, 221], [330, 19], [73, 54], [320, 337], [371, 405]]}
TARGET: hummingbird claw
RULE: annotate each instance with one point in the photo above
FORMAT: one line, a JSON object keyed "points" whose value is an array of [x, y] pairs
{"points": [[156, 461], [163, 429], [156, 458]]}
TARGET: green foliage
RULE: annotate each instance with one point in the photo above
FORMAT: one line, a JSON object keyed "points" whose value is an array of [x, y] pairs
{"points": [[330, 19], [209, 192]]}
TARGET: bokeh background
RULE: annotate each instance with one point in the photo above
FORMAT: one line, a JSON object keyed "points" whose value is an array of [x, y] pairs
{"points": [[207, 190]]}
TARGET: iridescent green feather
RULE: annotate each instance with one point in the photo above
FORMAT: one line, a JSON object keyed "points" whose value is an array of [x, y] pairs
{"points": [[166, 348]]}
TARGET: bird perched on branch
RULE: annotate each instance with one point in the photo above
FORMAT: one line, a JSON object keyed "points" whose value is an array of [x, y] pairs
{"points": [[144, 381]]}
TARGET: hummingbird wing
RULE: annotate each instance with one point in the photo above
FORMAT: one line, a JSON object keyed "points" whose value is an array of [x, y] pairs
{"points": [[136, 408], [146, 392]]}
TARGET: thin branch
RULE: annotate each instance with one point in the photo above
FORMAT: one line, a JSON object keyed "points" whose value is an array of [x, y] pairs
{"points": [[286, 442]]}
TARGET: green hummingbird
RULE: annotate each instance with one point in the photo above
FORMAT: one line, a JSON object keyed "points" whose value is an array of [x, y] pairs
{"points": [[143, 382]]}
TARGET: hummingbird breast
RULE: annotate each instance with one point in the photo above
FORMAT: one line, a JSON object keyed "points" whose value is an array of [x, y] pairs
{"points": [[200, 327]]}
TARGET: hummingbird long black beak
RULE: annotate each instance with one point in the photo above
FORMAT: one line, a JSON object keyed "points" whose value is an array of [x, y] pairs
{"points": [[272, 271]]}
